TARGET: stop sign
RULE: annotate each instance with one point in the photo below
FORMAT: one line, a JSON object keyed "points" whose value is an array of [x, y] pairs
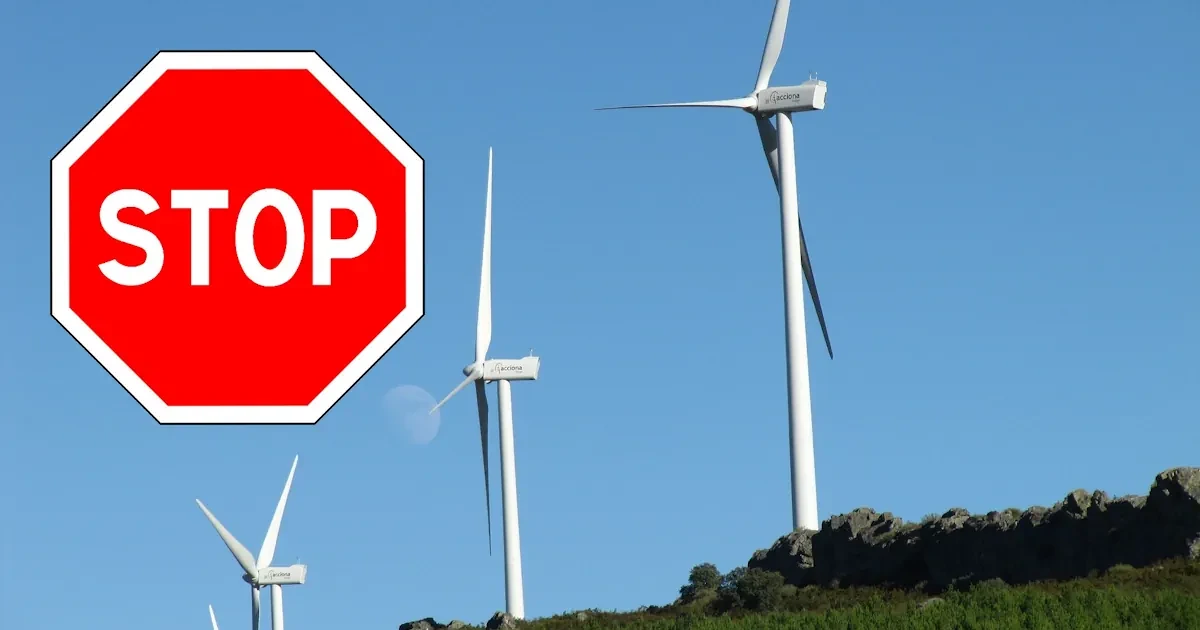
{"points": [[237, 237]]}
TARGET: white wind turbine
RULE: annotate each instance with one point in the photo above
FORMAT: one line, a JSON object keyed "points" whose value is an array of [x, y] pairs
{"points": [[763, 103], [501, 371], [260, 573]]}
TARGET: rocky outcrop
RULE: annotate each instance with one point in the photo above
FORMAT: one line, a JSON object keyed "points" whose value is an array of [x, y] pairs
{"points": [[1082, 533], [499, 621], [428, 623]]}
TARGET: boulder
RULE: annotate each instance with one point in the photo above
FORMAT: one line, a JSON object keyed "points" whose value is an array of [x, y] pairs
{"points": [[501, 621]]}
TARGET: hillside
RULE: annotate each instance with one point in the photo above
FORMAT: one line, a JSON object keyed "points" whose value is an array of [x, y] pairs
{"points": [[1088, 562]]}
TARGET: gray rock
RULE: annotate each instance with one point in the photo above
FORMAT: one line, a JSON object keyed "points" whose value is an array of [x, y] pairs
{"points": [[791, 556], [1174, 503], [456, 625], [1085, 532], [422, 624], [1033, 516], [501, 621]]}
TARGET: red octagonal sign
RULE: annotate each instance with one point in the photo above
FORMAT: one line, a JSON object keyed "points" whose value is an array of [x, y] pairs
{"points": [[237, 237]]}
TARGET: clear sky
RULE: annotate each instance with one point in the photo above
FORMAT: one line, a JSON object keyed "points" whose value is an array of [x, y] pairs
{"points": [[1001, 201]]}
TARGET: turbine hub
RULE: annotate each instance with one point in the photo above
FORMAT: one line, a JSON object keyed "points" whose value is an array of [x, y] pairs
{"points": [[470, 369], [247, 579]]}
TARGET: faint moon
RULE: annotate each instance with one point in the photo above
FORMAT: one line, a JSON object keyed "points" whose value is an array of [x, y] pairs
{"points": [[408, 410]]}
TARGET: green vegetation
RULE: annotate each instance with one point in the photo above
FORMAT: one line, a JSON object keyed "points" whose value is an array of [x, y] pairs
{"points": [[1152, 598]]}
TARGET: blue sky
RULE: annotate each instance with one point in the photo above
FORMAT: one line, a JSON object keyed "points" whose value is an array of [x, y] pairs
{"points": [[1001, 204]]}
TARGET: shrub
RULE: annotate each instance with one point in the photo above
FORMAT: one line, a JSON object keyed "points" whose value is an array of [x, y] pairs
{"points": [[753, 590], [760, 591]]}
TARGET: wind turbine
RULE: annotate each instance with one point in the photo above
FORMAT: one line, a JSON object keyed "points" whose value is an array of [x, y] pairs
{"points": [[777, 143], [500, 371], [213, 616], [260, 573]]}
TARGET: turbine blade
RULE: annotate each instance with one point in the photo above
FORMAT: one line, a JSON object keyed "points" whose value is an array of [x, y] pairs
{"points": [[482, 404], [255, 606], [267, 553], [774, 43], [454, 391], [735, 103], [806, 265], [276, 607], [483, 329], [239, 551], [213, 616], [770, 144]]}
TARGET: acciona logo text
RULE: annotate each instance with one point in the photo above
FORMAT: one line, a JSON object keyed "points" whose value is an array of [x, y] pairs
{"points": [[777, 97]]}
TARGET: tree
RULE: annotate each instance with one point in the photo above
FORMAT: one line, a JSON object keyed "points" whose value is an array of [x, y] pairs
{"points": [[730, 581], [727, 596], [703, 577]]}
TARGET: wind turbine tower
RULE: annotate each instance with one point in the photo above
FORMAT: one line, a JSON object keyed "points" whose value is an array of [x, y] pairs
{"points": [[501, 372], [777, 141]]}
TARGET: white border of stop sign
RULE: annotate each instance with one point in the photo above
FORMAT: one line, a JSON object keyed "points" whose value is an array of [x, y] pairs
{"points": [[414, 166]]}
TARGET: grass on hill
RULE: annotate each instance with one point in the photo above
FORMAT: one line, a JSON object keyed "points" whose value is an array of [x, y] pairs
{"points": [[1160, 597]]}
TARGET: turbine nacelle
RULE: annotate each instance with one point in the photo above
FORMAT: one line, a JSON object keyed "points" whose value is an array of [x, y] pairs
{"points": [[294, 574], [806, 97], [525, 369]]}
